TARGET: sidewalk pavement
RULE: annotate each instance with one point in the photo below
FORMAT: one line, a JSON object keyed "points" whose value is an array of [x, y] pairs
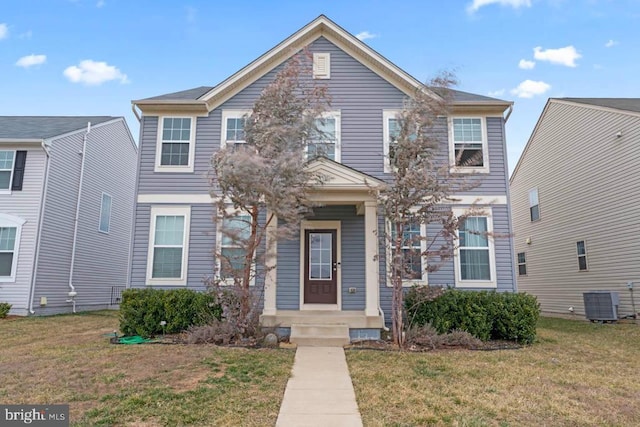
{"points": [[319, 392]]}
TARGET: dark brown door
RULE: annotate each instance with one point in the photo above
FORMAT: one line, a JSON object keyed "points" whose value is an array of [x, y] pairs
{"points": [[320, 267]]}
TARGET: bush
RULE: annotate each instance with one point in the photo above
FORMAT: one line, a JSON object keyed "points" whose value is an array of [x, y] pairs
{"points": [[485, 315], [142, 310], [4, 309]]}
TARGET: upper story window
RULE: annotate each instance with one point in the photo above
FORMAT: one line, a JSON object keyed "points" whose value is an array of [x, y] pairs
{"points": [[391, 129], [321, 65], [105, 213], [6, 168], [168, 245], [233, 122], [176, 144], [475, 260], [534, 205], [468, 144], [582, 255], [326, 140]]}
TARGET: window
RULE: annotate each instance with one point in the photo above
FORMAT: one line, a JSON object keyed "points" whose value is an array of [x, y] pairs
{"points": [[176, 144], [105, 213], [413, 246], [534, 206], [325, 141], [522, 264], [391, 129], [233, 127], [468, 149], [10, 228], [475, 260], [6, 169], [582, 255], [321, 65], [234, 231], [168, 245]]}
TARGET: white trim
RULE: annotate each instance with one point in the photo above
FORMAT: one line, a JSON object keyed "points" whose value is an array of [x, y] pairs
{"points": [[100, 215], [271, 263], [175, 198], [485, 145], [169, 210], [315, 225], [485, 199], [230, 114], [192, 146], [488, 284], [407, 283], [11, 172], [229, 281], [10, 221], [371, 263], [337, 116], [386, 115], [321, 65]]}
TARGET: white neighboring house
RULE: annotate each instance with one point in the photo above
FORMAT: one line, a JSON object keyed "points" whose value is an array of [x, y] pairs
{"points": [[67, 188], [575, 200]]}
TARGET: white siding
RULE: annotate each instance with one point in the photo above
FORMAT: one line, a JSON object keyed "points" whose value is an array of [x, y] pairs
{"points": [[24, 204], [588, 185]]}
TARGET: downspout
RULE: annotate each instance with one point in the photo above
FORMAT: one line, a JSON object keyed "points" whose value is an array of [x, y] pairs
{"points": [[134, 213], [508, 188], [72, 293], [506, 118], [46, 144]]}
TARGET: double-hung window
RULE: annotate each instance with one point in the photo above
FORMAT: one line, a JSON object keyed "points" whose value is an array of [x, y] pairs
{"points": [[6, 168], [168, 245], [412, 247], [475, 260], [468, 144], [233, 236], [582, 255], [233, 122], [325, 139], [522, 264], [534, 205], [176, 144], [10, 229], [391, 129], [105, 213]]}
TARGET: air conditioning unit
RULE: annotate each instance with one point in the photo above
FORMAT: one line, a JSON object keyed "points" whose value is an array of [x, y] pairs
{"points": [[601, 305]]}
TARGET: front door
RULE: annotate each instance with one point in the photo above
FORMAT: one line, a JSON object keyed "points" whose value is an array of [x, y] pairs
{"points": [[320, 267]]}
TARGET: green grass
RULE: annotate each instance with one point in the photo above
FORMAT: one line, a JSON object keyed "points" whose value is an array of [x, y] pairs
{"points": [[576, 374], [68, 359]]}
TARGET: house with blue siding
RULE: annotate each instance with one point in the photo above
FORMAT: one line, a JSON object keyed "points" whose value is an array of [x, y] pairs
{"points": [[181, 131], [67, 191]]}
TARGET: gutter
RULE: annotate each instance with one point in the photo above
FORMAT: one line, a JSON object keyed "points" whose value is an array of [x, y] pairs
{"points": [[45, 144], [506, 118]]}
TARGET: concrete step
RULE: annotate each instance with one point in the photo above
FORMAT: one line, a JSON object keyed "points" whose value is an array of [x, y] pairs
{"points": [[319, 335]]}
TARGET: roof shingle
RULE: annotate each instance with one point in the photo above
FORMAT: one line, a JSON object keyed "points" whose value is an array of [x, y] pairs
{"points": [[41, 127]]}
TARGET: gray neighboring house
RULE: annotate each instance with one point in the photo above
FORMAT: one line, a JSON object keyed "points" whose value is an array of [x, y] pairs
{"points": [[576, 201], [180, 132], [67, 190]]}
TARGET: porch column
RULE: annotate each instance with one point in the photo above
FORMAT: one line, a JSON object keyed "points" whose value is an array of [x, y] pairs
{"points": [[371, 258], [271, 257]]}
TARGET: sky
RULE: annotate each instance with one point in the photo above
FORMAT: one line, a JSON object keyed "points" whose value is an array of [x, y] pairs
{"points": [[92, 57]]}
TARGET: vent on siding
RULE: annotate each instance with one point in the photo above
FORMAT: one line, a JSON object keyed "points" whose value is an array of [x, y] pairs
{"points": [[601, 305], [321, 65]]}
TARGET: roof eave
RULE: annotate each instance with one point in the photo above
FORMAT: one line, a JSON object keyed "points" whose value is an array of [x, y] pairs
{"points": [[185, 106]]}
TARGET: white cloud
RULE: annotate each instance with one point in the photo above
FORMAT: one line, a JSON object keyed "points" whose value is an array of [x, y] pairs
{"points": [[526, 65], [364, 35], [563, 56], [4, 31], [31, 60], [477, 4], [498, 92], [94, 73], [610, 43], [530, 88]]}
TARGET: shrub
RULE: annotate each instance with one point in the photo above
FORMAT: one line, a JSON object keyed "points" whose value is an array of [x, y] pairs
{"points": [[485, 315], [428, 336], [4, 309], [142, 310]]}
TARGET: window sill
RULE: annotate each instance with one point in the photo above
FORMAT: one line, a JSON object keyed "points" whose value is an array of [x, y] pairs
{"points": [[173, 169], [166, 282], [469, 170], [477, 284]]}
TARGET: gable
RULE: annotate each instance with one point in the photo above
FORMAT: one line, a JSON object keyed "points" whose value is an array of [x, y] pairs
{"points": [[340, 177]]}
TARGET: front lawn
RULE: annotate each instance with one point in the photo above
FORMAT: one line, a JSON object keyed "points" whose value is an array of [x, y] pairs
{"points": [[68, 359], [577, 374]]}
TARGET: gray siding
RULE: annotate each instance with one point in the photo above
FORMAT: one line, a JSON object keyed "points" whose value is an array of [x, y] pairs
{"points": [[587, 181], [24, 204], [102, 260], [352, 262]]}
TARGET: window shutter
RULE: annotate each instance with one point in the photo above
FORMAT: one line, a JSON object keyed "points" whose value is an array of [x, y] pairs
{"points": [[18, 170]]}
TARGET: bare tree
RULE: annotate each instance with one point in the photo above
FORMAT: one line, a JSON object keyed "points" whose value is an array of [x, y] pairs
{"points": [[264, 180], [422, 185]]}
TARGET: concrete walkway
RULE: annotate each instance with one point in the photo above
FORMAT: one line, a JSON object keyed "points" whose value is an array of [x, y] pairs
{"points": [[319, 392]]}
